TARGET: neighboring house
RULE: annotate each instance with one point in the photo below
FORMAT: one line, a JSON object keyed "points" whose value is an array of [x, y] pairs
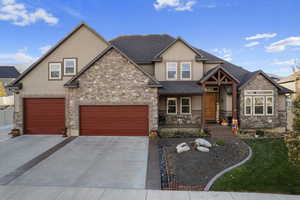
{"points": [[7, 74], [291, 82], [137, 83]]}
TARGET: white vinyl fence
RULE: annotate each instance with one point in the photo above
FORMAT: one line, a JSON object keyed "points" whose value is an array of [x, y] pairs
{"points": [[7, 101], [6, 117]]}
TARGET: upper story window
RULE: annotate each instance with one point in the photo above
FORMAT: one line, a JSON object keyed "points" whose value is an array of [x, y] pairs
{"points": [[70, 66], [55, 71], [185, 105], [171, 105], [185, 70], [171, 70]]}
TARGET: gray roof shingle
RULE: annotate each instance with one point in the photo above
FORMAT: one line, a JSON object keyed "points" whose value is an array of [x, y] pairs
{"points": [[180, 88], [8, 72]]}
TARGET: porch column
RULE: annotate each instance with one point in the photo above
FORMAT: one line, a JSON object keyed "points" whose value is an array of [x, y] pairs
{"points": [[203, 106], [234, 108]]}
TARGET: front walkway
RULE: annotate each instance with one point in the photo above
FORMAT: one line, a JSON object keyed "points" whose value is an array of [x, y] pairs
{"points": [[60, 193], [219, 131]]}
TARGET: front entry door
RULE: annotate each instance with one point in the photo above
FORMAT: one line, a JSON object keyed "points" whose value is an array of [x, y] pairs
{"points": [[210, 106]]}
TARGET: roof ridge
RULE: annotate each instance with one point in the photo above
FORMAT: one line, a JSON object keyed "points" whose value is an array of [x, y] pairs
{"points": [[142, 35]]}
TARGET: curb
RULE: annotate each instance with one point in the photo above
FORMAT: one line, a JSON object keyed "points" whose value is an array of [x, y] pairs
{"points": [[211, 182]]}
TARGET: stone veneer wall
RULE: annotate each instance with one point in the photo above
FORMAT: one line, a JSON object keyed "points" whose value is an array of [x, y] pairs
{"points": [[277, 121], [112, 80]]}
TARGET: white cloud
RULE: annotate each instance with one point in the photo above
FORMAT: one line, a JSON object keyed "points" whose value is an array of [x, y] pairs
{"points": [[20, 56], [19, 15], [252, 44], [286, 62], [178, 5], [282, 44], [72, 12], [224, 53], [45, 48], [261, 36]]}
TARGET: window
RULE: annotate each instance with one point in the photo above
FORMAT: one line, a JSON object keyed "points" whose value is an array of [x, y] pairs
{"points": [[70, 66], [171, 106], [55, 71], [259, 92], [248, 105], [258, 104], [185, 71], [171, 71], [185, 105], [269, 105]]}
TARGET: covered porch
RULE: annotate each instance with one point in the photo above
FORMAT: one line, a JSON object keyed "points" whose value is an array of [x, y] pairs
{"points": [[194, 104]]}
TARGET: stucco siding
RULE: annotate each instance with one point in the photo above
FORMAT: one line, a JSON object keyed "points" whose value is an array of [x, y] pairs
{"points": [[148, 68], [83, 45], [179, 52]]}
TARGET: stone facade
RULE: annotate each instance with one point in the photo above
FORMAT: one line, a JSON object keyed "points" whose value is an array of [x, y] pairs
{"points": [[112, 80], [179, 120], [274, 122]]}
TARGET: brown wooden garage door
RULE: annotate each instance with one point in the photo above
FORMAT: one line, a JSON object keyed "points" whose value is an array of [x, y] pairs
{"points": [[44, 116], [114, 120]]}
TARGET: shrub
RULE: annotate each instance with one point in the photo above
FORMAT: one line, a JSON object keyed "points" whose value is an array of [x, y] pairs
{"points": [[296, 111], [260, 133], [293, 144], [220, 143]]}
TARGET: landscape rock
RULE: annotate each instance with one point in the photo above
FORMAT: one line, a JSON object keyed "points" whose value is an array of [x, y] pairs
{"points": [[203, 142], [202, 149], [182, 147]]}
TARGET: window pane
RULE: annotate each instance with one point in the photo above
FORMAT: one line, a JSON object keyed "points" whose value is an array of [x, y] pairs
{"points": [[171, 109], [171, 102], [55, 67], [270, 110], [185, 101], [70, 70], [259, 101], [70, 63], [269, 101], [259, 110], [248, 101], [186, 74], [55, 74], [185, 109], [171, 74], [248, 110]]}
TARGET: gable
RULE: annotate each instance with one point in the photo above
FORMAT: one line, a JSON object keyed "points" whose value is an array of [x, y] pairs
{"points": [[112, 71], [83, 44], [259, 82], [179, 51]]}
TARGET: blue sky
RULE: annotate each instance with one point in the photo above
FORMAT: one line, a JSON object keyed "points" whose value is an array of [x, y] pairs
{"points": [[256, 34]]}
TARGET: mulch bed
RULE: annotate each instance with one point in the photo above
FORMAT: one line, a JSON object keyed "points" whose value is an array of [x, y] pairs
{"points": [[192, 170]]}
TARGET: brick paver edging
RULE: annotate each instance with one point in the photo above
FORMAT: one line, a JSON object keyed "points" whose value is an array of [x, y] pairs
{"points": [[211, 182]]}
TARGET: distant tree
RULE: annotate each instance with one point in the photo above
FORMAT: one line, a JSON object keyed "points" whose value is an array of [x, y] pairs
{"points": [[296, 111], [2, 90]]}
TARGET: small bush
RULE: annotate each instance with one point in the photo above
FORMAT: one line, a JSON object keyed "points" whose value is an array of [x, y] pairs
{"points": [[260, 133], [296, 111], [220, 143], [181, 133], [293, 144]]}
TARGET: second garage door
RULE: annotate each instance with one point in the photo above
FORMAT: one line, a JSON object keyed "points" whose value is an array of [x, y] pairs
{"points": [[114, 120]]}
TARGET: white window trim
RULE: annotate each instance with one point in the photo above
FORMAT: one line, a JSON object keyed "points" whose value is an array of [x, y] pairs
{"points": [[50, 70], [272, 106], [250, 92], [167, 77], [253, 101], [251, 106], [75, 66], [181, 64], [175, 106], [190, 105]]}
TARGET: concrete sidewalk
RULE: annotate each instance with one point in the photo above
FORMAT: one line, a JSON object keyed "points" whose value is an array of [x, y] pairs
{"points": [[66, 193]]}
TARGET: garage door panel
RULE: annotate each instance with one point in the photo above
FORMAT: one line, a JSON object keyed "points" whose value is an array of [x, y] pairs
{"points": [[44, 115], [114, 120]]}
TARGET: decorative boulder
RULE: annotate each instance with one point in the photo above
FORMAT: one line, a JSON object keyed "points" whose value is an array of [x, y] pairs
{"points": [[203, 142], [182, 147], [202, 149]]}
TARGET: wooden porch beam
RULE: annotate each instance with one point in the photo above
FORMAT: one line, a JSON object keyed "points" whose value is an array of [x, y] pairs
{"points": [[221, 83], [203, 107]]}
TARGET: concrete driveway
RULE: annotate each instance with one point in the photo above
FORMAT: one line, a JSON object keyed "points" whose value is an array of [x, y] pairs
{"points": [[93, 161], [17, 151]]}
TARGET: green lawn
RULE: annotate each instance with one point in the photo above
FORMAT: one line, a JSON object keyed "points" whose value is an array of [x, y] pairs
{"points": [[267, 171]]}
